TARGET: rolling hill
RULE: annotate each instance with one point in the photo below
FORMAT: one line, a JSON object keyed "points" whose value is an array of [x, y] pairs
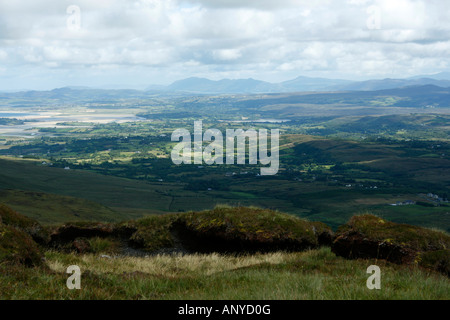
{"points": [[299, 84], [373, 85]]}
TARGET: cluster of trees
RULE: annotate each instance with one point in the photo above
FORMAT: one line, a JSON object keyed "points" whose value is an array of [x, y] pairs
{"points": [[10, 122]]}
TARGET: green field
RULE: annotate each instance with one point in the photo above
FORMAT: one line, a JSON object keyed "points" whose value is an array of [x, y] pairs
{"points": [[54, 195], [341, 154]]}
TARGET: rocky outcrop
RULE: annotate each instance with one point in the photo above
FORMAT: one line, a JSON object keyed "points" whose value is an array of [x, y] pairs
{"points": [[226, 230], [237, 230], [368, 236]]}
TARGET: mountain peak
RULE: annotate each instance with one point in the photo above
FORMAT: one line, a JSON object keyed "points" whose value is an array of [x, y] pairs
{"points": [[299, 84]]}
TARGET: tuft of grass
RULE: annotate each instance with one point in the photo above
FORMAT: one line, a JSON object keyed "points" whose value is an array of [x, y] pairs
{"points": [[316, 274], [104, 245], [17, 247], [437, 260], [166, 265], [153, 232]]}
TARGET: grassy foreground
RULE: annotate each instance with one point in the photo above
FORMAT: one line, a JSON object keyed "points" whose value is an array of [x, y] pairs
{"points": [[314, 274]]}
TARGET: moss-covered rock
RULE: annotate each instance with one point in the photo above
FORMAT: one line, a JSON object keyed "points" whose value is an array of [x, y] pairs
{"points": [[17, 247], [227, 230], [369, 236], [247, 229]]}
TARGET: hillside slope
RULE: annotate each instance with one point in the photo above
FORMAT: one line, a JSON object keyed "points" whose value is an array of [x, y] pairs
{"points": [[303, 273]]}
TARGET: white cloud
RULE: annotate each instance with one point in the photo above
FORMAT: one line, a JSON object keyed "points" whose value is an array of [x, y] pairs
{"points": [[3, 55], [272, 40], [227, 54]]}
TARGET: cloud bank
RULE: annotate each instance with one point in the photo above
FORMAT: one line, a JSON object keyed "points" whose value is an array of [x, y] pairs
{"points": [[45, 43]]}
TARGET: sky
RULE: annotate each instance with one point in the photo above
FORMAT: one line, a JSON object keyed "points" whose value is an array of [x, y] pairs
{"points": [[46, 44]]}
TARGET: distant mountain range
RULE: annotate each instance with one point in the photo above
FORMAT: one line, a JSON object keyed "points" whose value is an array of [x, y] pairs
{"points": [[419, 96], [299, 84], [202, 85], [195, 86], [372, 85]]}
